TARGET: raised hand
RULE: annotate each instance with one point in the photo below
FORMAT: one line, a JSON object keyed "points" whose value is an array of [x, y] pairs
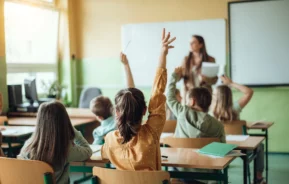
{"points": [[166, 41], [226, 80], [179, 72], [123, 58]]}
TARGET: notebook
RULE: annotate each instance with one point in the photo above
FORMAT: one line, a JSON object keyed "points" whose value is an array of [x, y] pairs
{"points": [[95, 148], [217, 149], [237, 137]]}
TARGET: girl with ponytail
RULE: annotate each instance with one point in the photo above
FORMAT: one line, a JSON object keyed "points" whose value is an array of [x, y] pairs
{"points": [[136, 146]]}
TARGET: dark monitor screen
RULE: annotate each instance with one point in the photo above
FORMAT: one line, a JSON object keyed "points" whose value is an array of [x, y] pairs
{"points": [[30, 90]]}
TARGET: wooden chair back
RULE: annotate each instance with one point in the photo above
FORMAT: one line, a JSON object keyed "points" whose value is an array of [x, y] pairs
{"points": [[188, 142], [235, 127], [170, 126], [25, 171], [3, 119], [108, 176]]}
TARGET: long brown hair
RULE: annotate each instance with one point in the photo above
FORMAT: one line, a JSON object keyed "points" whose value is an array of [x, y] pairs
{"points": [[51, 140], [129, 105], [203, 51], [223, 106]]}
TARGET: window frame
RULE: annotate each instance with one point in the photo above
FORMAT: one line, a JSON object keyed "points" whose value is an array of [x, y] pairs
{"points": [[37, 67]]}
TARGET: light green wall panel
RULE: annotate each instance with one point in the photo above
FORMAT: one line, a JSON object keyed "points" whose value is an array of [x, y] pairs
{"points": [[3, 82]]}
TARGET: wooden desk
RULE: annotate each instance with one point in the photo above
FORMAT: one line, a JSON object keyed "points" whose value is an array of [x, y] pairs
{"points": [[16, 131], [72, 112], [31, 121], [264, 128], [250, 143], [178, 157]]}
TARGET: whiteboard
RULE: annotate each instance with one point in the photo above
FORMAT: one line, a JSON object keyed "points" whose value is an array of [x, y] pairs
{"points": [[141, 43], [259, 42]]}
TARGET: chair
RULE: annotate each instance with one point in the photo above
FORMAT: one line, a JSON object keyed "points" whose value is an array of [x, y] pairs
{"points": [[108, 176], [25, 171], [87, 95], [3, 120], [170, 126], [188, 142], [235, 127]]}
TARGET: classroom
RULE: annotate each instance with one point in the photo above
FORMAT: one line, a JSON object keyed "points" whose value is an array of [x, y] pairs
{"points": [[144, 91]]}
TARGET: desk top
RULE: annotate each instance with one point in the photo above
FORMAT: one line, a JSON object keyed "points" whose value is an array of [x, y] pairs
{"points": [[182, 157], [72, 112], [16, 131], [31, 121], [249, 144], [261, 125]]}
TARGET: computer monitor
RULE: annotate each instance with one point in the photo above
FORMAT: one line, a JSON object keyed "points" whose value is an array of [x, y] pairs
{"points": [[30, 90]]}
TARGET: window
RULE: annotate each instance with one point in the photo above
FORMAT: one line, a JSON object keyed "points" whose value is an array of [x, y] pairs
{"points": [[31, 35]]}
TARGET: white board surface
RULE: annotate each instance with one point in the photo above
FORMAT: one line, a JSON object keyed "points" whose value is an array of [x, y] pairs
{"points": [[144, 45], [260, 42]]}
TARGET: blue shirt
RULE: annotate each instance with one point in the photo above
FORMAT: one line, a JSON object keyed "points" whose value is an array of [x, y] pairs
{"points": [[105, 127]]}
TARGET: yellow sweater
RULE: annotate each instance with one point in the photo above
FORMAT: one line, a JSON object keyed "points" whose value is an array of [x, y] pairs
{"points": [[142, 152]]}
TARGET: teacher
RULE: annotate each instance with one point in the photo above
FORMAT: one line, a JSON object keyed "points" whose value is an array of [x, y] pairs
{"points": [[192, 65]]}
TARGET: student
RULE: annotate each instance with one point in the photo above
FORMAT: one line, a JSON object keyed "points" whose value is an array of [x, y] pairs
{"points": [[170, 115], [1, 151], [225, 109], [193, 120], [103, 109], [135, 146], [55, 141]]}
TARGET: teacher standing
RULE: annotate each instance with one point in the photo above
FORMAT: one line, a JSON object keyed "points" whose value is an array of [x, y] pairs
{"points": [[192, 65]]}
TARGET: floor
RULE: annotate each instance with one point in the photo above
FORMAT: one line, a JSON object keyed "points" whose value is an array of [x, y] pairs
{"points": [[278, 170]]}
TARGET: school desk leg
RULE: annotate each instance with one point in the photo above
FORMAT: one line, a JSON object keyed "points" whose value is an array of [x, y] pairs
{"points": [[245, 167], [266, 139], [226, 175], [255, 166]]}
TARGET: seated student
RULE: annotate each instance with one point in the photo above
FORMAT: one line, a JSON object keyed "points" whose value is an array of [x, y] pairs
{"points": [[170, 115], [103, 109], [55, 141], [135, 146], [1, 151], [193, 119], [225, 109]]}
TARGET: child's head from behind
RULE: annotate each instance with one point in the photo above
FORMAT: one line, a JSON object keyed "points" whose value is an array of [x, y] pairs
{"points": [[130, 107], [200, 98], [101, 107], [53, 134], [223, 103]]}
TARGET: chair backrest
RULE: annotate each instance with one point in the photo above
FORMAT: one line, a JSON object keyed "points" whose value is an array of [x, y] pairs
{"points": [[87, 95], [170, 126], [188, 142], [108, 176], [3, 119], [25, 171], [235, 127]]}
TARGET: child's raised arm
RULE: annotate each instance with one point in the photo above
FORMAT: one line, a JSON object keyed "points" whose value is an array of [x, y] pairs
{"points": [[129, 78], [157, 104], [247, 92]]}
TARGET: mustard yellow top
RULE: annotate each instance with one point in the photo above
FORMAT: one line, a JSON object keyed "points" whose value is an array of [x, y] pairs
{"points": [[142, 152]]}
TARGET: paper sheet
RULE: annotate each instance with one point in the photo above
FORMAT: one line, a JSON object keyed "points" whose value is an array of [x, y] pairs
{"points": [[95, 148], [8, 132], [210, 69], [236, 137]]}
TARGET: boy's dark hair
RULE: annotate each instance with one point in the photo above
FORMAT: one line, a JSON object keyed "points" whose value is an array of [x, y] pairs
{"points": [[202, 96], [101, 106], [129, 105]]}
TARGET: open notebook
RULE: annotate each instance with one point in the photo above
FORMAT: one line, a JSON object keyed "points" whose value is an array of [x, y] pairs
{"points": [[220, 150], [257, 123]]}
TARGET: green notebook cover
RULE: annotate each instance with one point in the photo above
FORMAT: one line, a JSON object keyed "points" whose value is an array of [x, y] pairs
{"points": [[217, 149]]}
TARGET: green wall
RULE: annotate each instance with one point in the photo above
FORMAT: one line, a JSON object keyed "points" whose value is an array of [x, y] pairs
{"points": [[3, 83], [271, 104]]}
